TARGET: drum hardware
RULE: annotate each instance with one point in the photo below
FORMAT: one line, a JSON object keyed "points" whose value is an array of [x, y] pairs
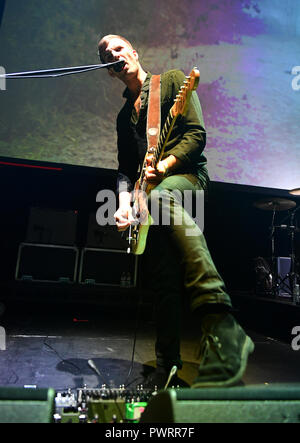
{"points": [[290, 282]]}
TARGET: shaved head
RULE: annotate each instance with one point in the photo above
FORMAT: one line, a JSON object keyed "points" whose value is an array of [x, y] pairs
{"points": [[106, 39], [114, 48]]}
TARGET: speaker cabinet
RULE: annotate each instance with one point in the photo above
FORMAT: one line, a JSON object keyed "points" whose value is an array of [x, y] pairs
{"points": [[108, 267], [105, 237], [47, 263], [18, 405], [253, 404], [50, 226]]}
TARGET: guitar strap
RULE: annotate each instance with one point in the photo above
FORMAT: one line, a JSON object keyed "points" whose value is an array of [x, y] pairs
{"points": [[153, 115]]}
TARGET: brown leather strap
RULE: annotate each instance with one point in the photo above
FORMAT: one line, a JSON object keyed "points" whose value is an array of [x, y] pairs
{"points": [[153, 116]]}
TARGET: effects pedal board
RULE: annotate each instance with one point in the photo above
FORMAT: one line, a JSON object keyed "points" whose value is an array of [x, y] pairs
{"points": [[101, 405]]}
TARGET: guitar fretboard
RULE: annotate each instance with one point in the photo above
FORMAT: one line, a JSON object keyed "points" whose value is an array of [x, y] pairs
{"points": [[163, 138]]}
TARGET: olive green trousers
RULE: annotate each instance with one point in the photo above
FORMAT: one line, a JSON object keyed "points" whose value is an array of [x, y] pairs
{"points": [[177, 261]]}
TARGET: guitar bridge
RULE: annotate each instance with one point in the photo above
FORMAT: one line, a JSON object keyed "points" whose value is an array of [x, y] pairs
{"points": [[132, 237]]}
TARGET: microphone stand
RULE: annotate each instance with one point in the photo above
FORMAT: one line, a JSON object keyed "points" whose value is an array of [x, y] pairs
{"points": [[273, 264], [293, 275], [59, 72]]}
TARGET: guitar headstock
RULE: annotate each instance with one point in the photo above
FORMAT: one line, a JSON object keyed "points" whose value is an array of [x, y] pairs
{"points": [[182, 99]]}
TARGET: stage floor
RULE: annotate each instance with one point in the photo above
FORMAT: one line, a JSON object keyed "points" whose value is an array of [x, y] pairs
{"points": [[50, 345]]}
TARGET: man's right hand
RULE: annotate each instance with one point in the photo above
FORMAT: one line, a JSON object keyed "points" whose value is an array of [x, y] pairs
{"points": [[124, 217]]}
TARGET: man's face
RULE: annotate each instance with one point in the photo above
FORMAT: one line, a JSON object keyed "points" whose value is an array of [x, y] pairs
{"points": [[116, 49]]}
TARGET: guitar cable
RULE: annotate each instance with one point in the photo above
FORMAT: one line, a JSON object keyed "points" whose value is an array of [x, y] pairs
{"points": [[136, 327]]}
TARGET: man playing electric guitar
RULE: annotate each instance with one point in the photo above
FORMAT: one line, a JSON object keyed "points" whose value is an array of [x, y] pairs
{"points": [[174, 262]]}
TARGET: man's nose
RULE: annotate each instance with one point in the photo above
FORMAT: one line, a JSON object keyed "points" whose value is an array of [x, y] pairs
{"points": [[115, 55]]}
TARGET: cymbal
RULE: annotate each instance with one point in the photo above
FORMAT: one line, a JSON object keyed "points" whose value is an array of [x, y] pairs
{"points": [[275, 204], [295, 191]]}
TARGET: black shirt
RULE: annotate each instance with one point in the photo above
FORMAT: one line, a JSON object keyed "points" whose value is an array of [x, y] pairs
{"points": [[187, 140]]}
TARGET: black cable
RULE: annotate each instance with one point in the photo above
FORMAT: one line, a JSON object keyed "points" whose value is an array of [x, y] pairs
{"points": [[137, 319], [62, 359], [59, 72]]}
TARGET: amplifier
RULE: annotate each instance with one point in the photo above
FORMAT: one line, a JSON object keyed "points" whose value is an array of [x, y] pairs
{"points": [[108, 267], [47, 263], [104, 237], [49, 226]]}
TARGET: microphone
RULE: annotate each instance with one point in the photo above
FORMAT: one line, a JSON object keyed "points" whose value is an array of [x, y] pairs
{"points": [[171, 375], [118, 66], [93, 366]]}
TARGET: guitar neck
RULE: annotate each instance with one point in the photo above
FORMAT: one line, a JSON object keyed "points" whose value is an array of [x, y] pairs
{"points": [[159, 149], [179, 108], [164, 137]]}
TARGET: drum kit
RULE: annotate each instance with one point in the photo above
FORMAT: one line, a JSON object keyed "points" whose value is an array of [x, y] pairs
{"points": [[290, 281]]}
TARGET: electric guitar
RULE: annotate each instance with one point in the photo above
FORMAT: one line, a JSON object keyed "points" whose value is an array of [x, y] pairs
{"points": [[138, 231]]}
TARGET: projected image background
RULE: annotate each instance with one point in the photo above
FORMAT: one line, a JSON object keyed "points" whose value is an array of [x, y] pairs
{"points": [[245, 51]]}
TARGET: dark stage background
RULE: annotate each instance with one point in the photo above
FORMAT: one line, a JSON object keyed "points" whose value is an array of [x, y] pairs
{"points": [[245, 49], [236, 231]]}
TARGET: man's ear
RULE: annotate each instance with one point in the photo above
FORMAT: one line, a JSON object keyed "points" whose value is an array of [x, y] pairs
{"points": [[136, 55]]}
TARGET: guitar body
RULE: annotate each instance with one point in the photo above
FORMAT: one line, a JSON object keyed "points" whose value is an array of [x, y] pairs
{"points": [[139, 231]]}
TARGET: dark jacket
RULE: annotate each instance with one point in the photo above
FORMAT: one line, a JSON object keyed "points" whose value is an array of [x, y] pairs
{"points": [[187, 140]]}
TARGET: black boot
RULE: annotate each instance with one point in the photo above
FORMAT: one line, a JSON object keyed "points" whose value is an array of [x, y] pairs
{"points": [[224, 351]]}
